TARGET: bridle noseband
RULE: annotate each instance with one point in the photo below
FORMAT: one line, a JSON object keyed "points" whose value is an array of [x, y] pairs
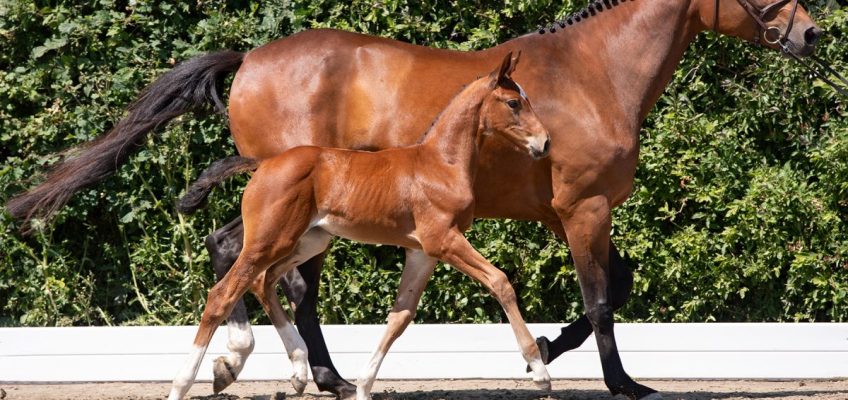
{"points": [[781, 38], [763, 30]]}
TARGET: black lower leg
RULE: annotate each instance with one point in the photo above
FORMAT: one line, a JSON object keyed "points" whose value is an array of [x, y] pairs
{"points": [[617, 381], [301, 287], [573, 335]]}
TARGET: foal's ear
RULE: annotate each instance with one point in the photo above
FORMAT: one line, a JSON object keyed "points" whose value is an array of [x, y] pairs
{"points": [[506, 69], [507, 66]]}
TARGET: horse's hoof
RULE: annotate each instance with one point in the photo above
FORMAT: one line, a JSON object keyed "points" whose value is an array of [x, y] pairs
{"points": [[652, 396], [224, 375], [347, 392], [299, 384]]}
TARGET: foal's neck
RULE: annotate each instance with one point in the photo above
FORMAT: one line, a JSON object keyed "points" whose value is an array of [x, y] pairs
{"points": [[452, 139]]}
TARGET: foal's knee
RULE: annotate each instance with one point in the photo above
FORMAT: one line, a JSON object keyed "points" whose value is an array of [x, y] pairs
{"points": [[501, 288]]}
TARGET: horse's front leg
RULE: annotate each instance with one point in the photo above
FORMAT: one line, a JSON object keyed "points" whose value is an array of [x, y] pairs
{"points": [[587, 223], [574, 334], [416, 272], [455, 250]]}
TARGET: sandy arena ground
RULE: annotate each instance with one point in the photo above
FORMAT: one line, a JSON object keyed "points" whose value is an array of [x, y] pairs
{"points": [[444, 389]]}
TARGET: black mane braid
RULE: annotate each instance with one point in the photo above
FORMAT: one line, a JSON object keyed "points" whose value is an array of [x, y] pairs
{"points": [[592, 9]]}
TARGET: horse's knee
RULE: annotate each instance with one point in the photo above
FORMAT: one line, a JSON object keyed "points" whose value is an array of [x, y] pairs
{"points": [[601, 317], [621, 280]]}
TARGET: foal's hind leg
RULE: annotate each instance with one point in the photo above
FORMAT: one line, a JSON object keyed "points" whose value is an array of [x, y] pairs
{"points": [[220, 302], [301, 288], [416, 272], [224, 246], [311, 243]]}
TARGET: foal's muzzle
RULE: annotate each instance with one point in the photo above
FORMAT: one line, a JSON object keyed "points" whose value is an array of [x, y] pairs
{"points": [[541, 150]]}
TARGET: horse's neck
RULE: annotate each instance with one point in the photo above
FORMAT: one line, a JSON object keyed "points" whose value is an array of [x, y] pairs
{"points": [[624, 57], [453, 137]]}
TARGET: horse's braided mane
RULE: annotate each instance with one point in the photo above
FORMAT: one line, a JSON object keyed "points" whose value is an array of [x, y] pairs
{"points": [[591, 10]]}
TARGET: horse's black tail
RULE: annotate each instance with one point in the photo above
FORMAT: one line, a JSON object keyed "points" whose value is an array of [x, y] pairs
{"points": [[195, 197], [190, 86]]}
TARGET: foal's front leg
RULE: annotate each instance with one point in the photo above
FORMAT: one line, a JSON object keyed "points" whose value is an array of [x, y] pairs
{"points": [[454, 249], [416, 272]]}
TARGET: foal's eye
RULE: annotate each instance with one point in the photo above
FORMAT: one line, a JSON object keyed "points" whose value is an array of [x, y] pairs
{"points": [[513, 104]]}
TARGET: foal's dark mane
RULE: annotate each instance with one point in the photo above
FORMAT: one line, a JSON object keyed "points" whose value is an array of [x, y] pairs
{"points": [[594, 8]]}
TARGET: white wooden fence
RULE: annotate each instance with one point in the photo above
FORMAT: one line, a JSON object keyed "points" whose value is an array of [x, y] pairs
{"points": [[435, 351]]}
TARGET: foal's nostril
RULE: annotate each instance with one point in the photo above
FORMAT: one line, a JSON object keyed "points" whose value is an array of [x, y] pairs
{"points": [[547, 146], [812, 35]]}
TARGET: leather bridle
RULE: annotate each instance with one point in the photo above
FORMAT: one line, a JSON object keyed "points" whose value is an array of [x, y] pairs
{"points": [[774, 36]]}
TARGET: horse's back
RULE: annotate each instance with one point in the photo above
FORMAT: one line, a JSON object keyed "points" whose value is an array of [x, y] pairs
{"points": [[342, 89]]}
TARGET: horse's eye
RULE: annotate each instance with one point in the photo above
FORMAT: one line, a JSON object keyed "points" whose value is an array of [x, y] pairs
{"points": [[513, 104]]}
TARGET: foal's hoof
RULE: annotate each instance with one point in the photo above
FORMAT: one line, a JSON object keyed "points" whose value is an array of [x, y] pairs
{"points": [[542, 342], [299, 384], [543, 385], [224, 375]]}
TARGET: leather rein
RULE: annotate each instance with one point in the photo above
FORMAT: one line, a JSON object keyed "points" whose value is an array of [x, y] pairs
{"points": [[774, 36]]}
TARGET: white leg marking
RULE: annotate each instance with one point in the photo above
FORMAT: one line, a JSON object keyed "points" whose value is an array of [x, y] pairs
{"points": [[240, 344], [312, 243], [540, 374], [185, 378], [295, 348], [368, 375]]}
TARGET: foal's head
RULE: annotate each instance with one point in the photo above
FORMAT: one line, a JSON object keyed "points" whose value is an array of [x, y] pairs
{"points": [[506, 111]]}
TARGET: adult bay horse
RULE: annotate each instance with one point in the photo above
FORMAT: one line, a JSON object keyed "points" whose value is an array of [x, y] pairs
{"points": [[419, 197], [592, 82]]}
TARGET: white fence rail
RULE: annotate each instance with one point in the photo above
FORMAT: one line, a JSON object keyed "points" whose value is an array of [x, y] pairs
{"points": [[435, 351]]}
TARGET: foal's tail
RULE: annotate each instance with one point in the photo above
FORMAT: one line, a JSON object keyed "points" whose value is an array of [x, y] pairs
{"points": [[190, 86], [195, 197]]}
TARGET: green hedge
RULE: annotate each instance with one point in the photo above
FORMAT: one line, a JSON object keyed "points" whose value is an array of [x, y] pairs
{"points": [[738, 214]]}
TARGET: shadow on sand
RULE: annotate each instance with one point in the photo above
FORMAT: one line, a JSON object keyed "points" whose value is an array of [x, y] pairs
{"points": [[519, 394]]}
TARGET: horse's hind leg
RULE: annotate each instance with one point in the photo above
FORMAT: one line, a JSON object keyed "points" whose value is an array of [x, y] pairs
{"points": [[301, 288], [416, 272], [310, 244], [224, 246]]}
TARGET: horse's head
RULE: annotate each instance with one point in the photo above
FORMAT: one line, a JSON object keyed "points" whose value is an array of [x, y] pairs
{"points": [[773, 23], [506, 111]]}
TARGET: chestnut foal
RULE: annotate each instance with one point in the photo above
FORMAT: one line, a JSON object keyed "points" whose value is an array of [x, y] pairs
{"points": [[418, 197]]}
